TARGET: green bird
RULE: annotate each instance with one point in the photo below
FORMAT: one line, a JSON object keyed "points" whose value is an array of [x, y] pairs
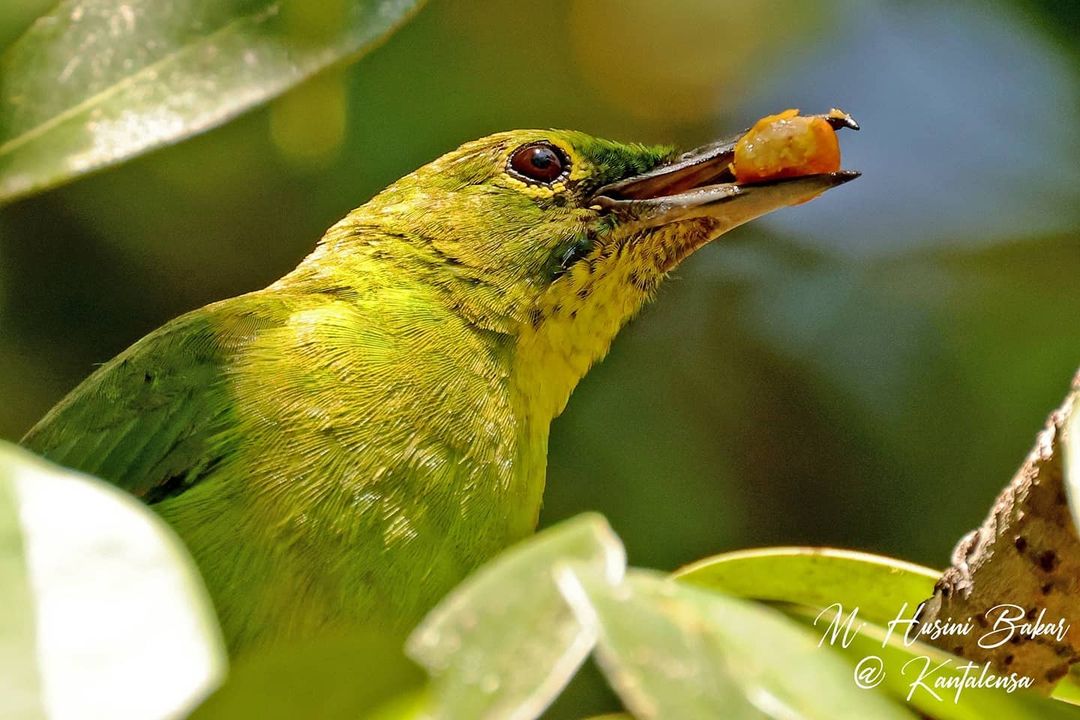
{"points": [[341, 448]]}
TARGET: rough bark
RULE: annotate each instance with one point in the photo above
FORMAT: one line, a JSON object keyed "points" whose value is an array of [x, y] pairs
{"points": [[1026, 553]]}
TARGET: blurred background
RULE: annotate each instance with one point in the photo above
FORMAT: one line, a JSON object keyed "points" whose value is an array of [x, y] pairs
{"points": [[865, 371]]}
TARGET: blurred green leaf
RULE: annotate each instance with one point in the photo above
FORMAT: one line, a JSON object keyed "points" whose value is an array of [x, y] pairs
{"points": [[505, 643], [17, 16], [1071, 458], [818, 577], [879, 587], [341, 676], [20, 687], [674, 651], [1068, 690], [95, 82], [123, 626], [911, 683]]}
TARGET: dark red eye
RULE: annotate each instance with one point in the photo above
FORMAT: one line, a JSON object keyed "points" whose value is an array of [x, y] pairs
{"points": [[538, 162]]}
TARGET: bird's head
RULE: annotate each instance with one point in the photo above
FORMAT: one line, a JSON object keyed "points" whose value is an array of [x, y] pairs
{"points": [[554, 239]]}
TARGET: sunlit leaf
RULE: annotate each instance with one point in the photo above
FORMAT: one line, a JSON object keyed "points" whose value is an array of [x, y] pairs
{"points": [[910, 671], [96, 82], [819, 577], [674, 651], [122, 624], [20, 686], [1071, 455], [505, 643], [1068, 690]]}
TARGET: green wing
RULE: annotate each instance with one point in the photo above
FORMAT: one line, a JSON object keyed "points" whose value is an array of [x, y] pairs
{"points": [[147, 420]]}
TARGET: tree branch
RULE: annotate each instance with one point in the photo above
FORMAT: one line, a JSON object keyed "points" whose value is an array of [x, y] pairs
{"points": [[1027, 554]]}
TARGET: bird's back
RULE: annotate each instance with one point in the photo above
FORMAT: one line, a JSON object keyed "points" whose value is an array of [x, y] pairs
{"points": [[145, 419], [327, 457]]}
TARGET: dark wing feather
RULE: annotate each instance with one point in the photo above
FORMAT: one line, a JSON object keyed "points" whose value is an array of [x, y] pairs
{"points": [[146, 421]]}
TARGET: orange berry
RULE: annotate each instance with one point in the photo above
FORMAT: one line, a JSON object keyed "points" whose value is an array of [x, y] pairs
{"points": [[786, 145]]}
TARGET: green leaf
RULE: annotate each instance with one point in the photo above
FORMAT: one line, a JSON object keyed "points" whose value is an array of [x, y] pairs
{"points": [[1068, 690], [96, 82], [674, 651], [341, 676], [1071, 452], [20, 686], [17, 16], [909, 671], [504, 643], [881, 588], [121, 624], [818, 577]]}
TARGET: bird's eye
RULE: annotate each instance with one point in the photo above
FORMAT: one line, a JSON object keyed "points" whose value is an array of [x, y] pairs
{"points": [[538, 162]]}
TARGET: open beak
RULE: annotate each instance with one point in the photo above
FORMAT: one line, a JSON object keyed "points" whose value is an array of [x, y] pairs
{"points": [[699, 183]]}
